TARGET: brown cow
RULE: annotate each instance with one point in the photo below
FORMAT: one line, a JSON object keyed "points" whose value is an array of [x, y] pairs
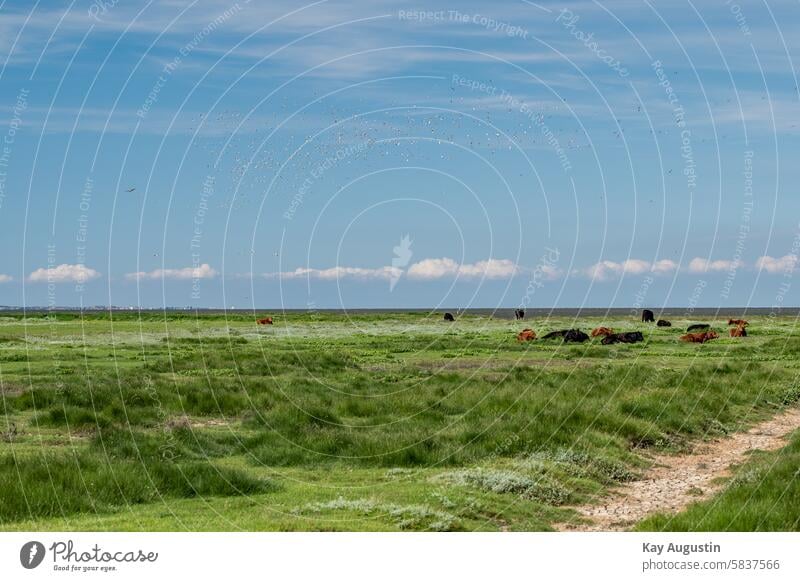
{"points": [[602, 332], [526, 335], [738, 322], [266, 321], [739, 332], [699, 337]]}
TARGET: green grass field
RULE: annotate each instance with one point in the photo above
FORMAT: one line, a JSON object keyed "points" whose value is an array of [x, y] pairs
{"points": [[370, 422]]}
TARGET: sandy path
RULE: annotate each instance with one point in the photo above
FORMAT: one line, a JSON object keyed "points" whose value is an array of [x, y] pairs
{"points": [[676, 481]]}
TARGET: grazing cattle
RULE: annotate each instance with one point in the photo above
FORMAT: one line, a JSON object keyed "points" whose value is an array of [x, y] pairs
{"points": [[449, 317], [631, 337], [697, 327], [568, 335], [663, 323], [526, 335], [265, 321], [555, 334], [602, 331], [519, 314], [699, 337], [738, 332], [738, 322], [648, 316], [575, 336]]}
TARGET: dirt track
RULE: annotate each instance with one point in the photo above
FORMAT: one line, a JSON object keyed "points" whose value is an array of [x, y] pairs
{"points": [[676, 481]]}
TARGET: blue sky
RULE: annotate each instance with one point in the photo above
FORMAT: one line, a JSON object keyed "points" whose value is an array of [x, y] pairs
{"points": [[393, 154]]}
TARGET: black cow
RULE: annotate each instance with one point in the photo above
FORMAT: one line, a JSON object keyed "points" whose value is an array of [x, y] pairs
{"points": [[449, 317], [631, 337], [648, 316], [575, 336], [568, 335], [519, 314], [697, 327], [663, 323], [556, 334]]}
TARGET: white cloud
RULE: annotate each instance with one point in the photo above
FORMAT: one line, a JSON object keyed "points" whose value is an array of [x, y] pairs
{"points": [[337, 272], [188, 273], [5, 278], [603, 270], [64, 273], [664, 266], [548, 272], [699, 265], [434, 268], [784, 264], [428, 269], [608, 269], [635, 266]]}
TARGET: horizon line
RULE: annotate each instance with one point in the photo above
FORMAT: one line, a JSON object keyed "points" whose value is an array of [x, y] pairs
{"points": [[638, 308]]}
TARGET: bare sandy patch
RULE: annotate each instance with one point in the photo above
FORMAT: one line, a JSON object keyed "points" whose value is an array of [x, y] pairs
{"points": [[674, 482]]}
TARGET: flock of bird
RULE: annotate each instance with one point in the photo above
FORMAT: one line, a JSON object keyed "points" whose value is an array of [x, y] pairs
{"points": [[278, 149]]}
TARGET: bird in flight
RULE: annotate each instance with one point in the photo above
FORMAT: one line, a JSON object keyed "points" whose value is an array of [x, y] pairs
{"points": [[130, 190]]}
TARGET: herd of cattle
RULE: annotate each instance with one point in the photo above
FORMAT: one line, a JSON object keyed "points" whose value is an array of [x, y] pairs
{"points": [[697, 333]]}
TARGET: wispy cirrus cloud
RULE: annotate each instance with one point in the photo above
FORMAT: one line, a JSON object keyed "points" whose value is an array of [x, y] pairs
{"points": [[187, 273], [64, 273]]}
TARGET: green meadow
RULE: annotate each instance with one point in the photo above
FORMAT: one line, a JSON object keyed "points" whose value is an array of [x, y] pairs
{"points": [[373, 422]]}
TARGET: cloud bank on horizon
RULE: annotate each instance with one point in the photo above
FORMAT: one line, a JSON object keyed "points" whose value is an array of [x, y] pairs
{"points": [[605, 270]]}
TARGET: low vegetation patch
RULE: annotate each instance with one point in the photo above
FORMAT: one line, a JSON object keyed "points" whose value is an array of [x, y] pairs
{"points": [[406, 517], [540, 488]]}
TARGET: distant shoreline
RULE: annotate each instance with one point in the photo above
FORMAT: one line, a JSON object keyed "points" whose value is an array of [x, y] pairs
{"points": [[501, 313]]}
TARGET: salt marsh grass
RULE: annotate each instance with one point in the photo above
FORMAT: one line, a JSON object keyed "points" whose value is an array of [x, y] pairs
{"points": [[131, 420]]}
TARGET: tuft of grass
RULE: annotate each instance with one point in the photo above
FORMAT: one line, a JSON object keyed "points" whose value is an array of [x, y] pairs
{"points": [[791, 395], [72, 417], [50, 485]]}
